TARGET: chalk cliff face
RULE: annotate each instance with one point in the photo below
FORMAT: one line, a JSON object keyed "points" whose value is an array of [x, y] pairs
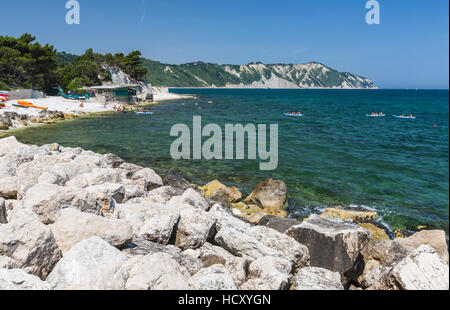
{"points": [[311, 75], [254, 75]]}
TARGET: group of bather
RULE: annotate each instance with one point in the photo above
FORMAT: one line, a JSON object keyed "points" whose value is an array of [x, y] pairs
{"points": [[410, 115], [294, 113]]}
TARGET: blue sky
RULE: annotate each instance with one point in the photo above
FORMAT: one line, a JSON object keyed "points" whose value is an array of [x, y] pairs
{"points": [[409, 49]]}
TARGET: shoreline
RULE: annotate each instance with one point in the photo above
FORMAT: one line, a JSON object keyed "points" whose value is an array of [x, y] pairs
{"points": [[77, 203], [60, 109]]}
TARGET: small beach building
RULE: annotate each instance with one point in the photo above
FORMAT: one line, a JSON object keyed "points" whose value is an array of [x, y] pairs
{"points": [[127, 92]]}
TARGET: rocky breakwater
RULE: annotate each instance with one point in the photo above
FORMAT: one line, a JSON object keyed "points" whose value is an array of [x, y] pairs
{"points": [[73, 219], [10, 120]]}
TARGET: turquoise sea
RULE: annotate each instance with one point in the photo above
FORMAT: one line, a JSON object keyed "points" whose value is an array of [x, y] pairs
{"points": [[334, 155]]}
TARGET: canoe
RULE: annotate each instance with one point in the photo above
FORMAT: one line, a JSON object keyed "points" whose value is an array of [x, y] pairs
{"points": [[293, 115], [370, 115], [144, 113], [404, 117]]}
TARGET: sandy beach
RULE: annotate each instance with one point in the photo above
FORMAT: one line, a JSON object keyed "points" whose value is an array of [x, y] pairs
{"points": [[59, 108]]}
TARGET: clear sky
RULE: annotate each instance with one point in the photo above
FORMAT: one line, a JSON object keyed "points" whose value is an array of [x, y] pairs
{"points": [[409, 49]]}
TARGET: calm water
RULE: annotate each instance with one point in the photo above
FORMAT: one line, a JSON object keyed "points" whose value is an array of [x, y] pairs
{"points": [[335, 155]]}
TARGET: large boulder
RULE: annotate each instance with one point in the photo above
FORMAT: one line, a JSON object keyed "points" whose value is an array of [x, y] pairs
{"points": [[194, 228], [95, 177], [128, 169], [9, 144], [379, 257], [3, 216], [192, 198], [268, 273], [99, 199], [15, 279], [11, 161], [240, 244], [30, 243], [73, 226], [214, 278], [293, 251], [158, 271], [34, 172], [423, 269], [215, 188], [225, 219], [270, 194], [357, 215], [151, 221], [175, 179], [434, 238], [113, 160], [333, 246], [277, 222], [147, 179], [160, 195], [142, 247], [214, 255], [91, 264], [46, 200], [317, 279]]}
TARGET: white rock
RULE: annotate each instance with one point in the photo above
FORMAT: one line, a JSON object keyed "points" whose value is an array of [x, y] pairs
{"points": [[273, 272], [9, 144], [73, 226], [317, 279], [194, 228], [423, 269], [224, 219], [295, 252], [99, 199], [160, 195], [240, 244], [192, 198], [91, 264], [11, 161], [153, 222], [215, 277], [213, 255], [148, 179], [30, 243], [16, 279], [96, 177], [158, 271], [46, 200]]}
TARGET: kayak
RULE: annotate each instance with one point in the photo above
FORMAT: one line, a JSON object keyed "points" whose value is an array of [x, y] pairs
{"points": [[404, 117], [293, 115], [25, 103], [36, 107], [144, 113], [370, 115], [20, 106]]}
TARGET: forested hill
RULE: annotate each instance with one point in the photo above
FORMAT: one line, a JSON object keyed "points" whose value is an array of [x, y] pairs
{"points": [[254, 75]]}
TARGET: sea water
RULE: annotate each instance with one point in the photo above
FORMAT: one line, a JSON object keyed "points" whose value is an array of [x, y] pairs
{"points": [[333, 156]]}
